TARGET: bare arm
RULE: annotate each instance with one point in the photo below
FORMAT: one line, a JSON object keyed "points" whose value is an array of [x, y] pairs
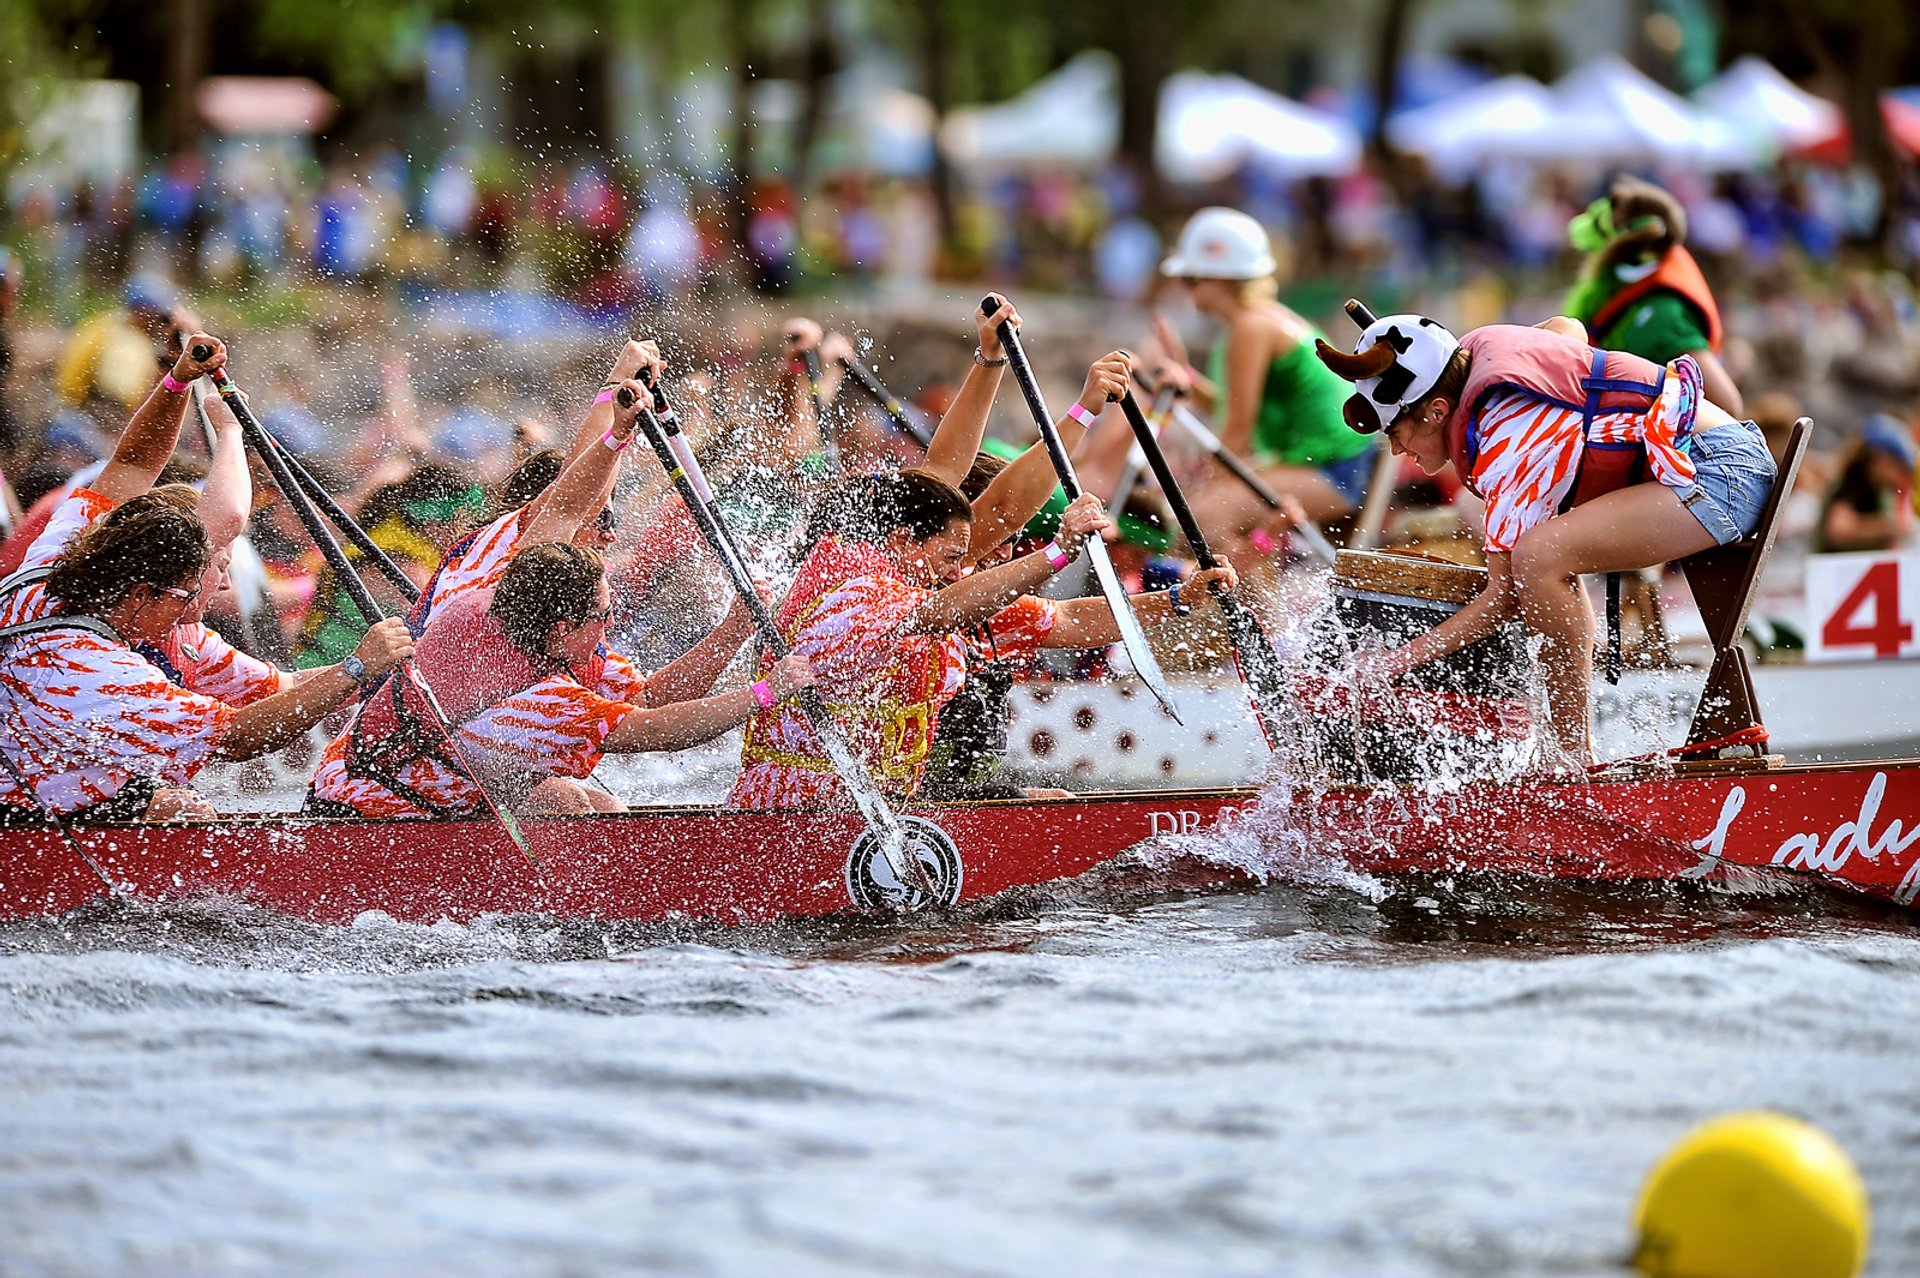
{"points": [[690, 723], [598, 418], [1844, 528], [584, 485], [154, 431], [1089, 623], [1017, 493], [1492, 608], [274, 721], [226, 502], [692, 673], [1717, 384], [1566, 326], [973, 599], [1249, 352], [956, 440]]}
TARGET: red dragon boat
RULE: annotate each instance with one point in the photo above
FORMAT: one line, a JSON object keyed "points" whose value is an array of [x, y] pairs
{"points": [[1851, 825], [1854, 825]]}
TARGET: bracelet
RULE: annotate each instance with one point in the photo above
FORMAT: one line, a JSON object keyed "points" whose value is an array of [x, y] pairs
{"points": [[1081, 415], [1056, 556], [606, 394], [614, 442], [1173, 596], [763, 693], [174, 385], [984, 362]]}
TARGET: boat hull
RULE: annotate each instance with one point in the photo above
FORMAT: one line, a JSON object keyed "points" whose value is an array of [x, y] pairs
{"points": [[1851, 825]]}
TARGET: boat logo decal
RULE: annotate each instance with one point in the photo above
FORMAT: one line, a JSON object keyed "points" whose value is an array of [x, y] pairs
{"points": [[872, 884], [1831, 853], [1175, 821]]}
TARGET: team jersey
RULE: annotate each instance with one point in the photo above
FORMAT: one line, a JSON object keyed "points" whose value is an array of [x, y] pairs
{"points": [[205, 662], [886, 688], [479, 564], [1020, 630], [553, 728], [82, 715], [1530, 451]]}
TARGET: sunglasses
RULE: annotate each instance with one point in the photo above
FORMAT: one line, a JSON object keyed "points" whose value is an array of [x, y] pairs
{"points": [[184, 596], [596, 618], [606, 522]]}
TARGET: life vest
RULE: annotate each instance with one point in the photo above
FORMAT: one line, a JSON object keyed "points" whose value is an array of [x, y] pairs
{"points": [[1677, 273], [970, 738], [472, 666], [1572, 374], [892, 732]]}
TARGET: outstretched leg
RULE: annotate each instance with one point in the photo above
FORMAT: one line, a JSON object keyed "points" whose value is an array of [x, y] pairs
{"points": [[1633, 528]]}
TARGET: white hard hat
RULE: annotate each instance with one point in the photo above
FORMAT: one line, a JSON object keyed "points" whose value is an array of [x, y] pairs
{"points": [[1394, 364], [1221, 244]]}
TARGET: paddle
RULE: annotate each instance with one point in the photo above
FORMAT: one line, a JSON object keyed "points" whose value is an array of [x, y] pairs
{"points": [[810, 361], [1144, 663], [356, 589], [881, 820], [1240, 469], [1137, 460], [1259, 665], [669, 422], [57, 821], [890, 403]]}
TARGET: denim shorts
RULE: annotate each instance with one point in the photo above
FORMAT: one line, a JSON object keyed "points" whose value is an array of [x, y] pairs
{"points": [[1732, 478], [1349, 475]]}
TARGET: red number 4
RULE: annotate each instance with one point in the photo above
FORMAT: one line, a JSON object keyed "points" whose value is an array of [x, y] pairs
{"points": [[1878, 589]]}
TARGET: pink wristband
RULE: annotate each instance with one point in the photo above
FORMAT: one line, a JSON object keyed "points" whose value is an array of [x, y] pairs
{"points": [[1081, 415], [1262, 540], [1056, 556], [763, 693], [614, 442], [173, 385], [606, 395]]}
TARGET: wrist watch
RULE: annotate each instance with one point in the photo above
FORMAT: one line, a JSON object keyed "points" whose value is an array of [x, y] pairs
{"points": [[354, 668]]}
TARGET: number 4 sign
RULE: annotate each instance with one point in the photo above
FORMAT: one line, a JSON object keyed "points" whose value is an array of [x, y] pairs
{"points": [[1859, 608]]}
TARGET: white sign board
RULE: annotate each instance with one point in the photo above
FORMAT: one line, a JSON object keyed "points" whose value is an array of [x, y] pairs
{"points": [[1863, 607]]}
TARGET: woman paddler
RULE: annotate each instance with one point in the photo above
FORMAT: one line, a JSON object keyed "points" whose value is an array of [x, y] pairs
{"points": [[1272, 399], [880, 607], [523, 671], [1589, 461], [1640, 291], [88, 716]]}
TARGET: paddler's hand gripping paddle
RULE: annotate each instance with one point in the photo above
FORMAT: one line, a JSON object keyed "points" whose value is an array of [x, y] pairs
{"points": [[885, 825], [356, 589], [1144, 663]]}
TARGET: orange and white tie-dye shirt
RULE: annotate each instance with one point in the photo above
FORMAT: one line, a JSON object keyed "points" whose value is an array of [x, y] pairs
{"points": [[555, 726], [884, 688], [82, 715], [477, 565], [207, 664], [1530, 449]]}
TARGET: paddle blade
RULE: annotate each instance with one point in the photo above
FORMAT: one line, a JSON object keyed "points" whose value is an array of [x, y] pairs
{"points": [[1145, 664]]}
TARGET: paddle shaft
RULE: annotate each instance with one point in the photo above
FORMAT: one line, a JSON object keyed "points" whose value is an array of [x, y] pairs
{"points": [[1259, 665], [682, 449], [873, 806], [315, 490], [57, 821], [890, 403], [1137, 460], [356, 589], [1144, 663]]}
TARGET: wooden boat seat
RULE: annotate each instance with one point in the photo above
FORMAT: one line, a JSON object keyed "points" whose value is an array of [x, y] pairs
{"points": [[1724, 581]]}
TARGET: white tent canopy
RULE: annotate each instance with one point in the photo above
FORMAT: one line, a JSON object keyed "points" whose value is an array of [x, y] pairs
{"points": [[1490, 121], [1209, 126], [1609, 111], [1753, 97], [1071, 117]]}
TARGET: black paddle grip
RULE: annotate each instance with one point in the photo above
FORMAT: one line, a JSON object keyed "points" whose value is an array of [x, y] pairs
{"points": [[203, 352], [1360, 313]]}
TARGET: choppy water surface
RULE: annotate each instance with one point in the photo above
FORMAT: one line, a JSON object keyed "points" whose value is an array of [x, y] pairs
{"points": [[1104, 1078]]}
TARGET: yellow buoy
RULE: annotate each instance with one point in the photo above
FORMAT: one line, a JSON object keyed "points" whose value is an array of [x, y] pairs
{"points": [[1753, 1195]]}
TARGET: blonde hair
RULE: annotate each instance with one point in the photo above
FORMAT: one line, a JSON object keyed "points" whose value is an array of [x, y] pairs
{"points": [[1264, 289]]}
